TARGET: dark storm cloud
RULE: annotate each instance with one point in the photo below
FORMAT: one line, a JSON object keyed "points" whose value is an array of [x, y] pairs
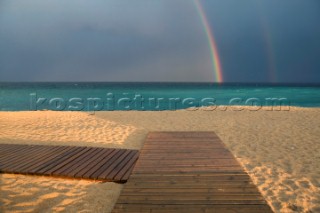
{"points": [[159, 40], [100, 41], [252, 35]]}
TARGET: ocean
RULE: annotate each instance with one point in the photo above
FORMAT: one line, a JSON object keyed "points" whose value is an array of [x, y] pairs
{"points": [[81, 96]]}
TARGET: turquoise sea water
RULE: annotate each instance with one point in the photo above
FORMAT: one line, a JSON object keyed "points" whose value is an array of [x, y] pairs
{"points": [[150, 96]]}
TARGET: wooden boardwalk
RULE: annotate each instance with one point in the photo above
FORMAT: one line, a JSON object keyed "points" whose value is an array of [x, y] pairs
{"points": [[188, 172], [68, 161]]}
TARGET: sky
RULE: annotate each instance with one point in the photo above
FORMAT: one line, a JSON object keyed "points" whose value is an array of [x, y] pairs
{"points": [[159, 40]]}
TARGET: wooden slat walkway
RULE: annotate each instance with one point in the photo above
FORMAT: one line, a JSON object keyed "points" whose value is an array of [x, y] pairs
{"points": [[188, 172], [68, 161]]}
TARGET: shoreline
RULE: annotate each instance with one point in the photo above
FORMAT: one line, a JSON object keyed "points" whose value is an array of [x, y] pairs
{"points": [[279, 150], [204, 108]]}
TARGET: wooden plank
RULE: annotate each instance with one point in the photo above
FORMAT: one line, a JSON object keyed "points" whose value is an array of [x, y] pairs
{"points": [[192, 176], [178, 144], [188, 172], [183, 201], [173, 140], [183, 184], [193, 179], [188, 169], [187, 155], [189, 161], [204, 190], [192, 190], [195, 174], [67, 161], [176, 134], [192, 208]]}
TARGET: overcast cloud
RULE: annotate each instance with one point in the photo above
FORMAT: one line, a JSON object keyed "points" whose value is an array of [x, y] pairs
{"points": [[159, 40]]}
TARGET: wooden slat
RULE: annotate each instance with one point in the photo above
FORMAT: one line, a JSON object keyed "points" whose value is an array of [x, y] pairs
{"points": [[191, 209], [67, 161], [188, 172]]}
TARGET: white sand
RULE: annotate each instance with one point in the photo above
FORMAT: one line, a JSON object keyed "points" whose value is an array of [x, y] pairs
{"points": [[279, 149]]}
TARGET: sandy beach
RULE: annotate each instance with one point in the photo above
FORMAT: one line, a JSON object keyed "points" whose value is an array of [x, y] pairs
{"points": [[279, 150]]}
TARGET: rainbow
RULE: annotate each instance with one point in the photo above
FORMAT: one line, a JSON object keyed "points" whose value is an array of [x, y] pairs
{"points": [[266, 33], [216, 64]]}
